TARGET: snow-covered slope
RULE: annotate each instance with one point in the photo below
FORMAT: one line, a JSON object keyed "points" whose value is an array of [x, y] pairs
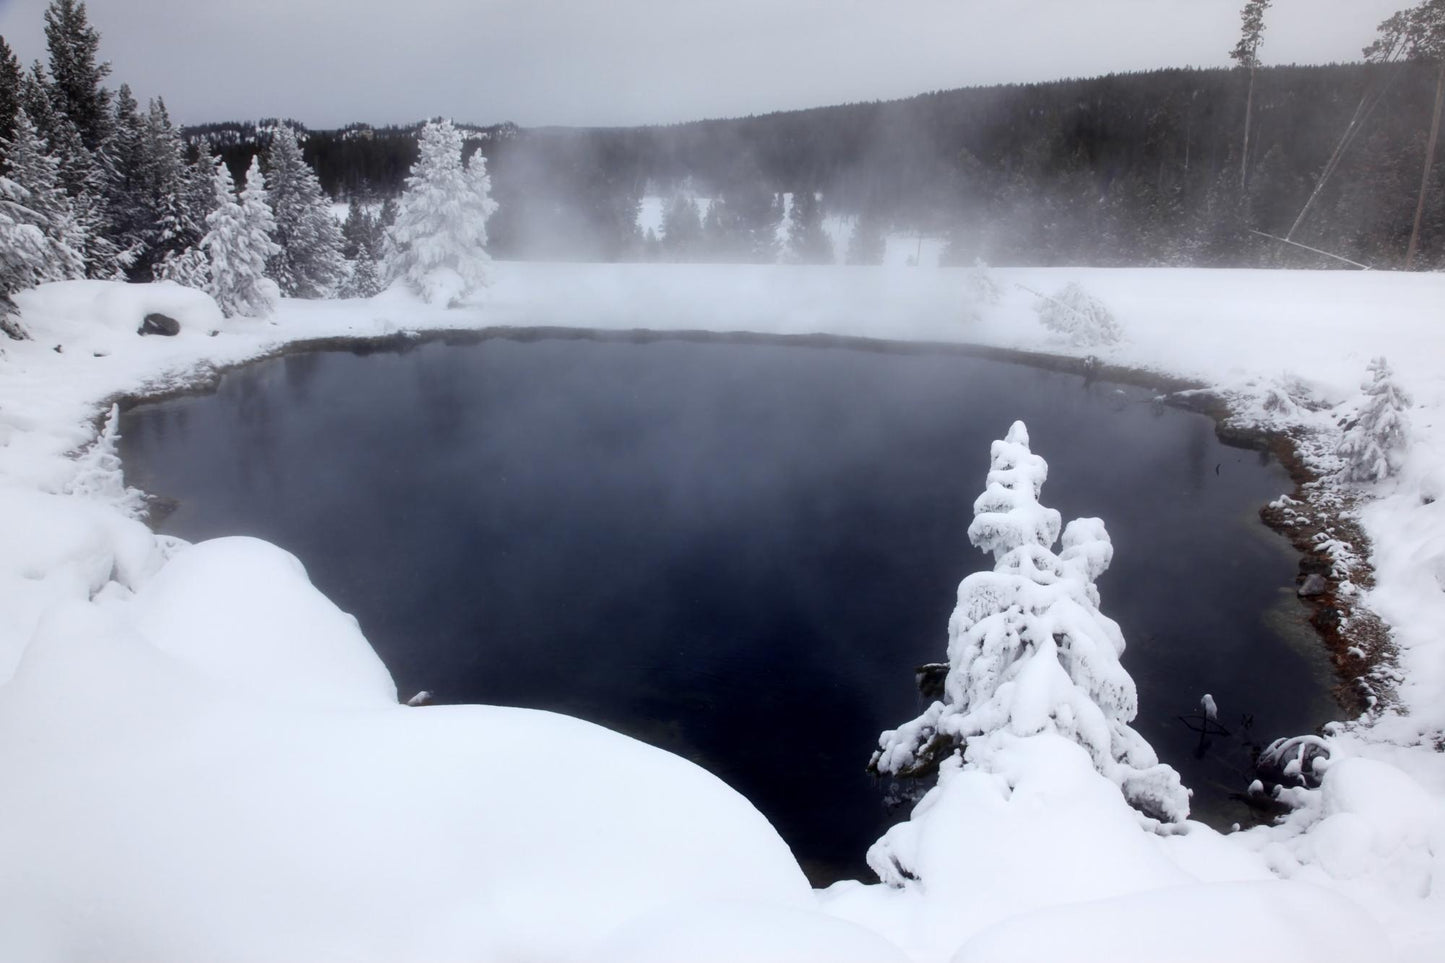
{"points": [[200, 758]]}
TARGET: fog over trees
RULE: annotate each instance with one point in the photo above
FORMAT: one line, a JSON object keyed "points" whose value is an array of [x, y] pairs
{"points": [[1298, 166]]}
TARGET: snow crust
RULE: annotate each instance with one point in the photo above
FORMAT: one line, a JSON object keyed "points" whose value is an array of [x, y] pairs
{"points": [[202, 759]]}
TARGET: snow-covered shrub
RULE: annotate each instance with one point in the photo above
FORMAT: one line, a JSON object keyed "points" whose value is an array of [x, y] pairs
{"points": [[188, 268], [1374, 442], [98, 473], [1079, 316], [438, 243], [981, 286], [1029, 651]]}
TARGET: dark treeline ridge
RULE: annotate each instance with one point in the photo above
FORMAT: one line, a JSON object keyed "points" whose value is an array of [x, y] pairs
{"points": [[1126, 169]]}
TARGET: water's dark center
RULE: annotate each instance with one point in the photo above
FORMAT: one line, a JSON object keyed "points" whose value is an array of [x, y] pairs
{"points": [[735, 551]]}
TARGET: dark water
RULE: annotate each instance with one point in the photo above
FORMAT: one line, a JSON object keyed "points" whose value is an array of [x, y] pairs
{"points": [[735, 551]]}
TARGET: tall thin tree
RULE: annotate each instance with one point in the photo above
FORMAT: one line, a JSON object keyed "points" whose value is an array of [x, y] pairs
{"points": [[1417, 34], [1246, 54], [75, 72]]}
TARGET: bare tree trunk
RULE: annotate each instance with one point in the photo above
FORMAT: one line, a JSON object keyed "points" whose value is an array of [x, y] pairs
{"points": [[1244, 153], [1429, 163]]}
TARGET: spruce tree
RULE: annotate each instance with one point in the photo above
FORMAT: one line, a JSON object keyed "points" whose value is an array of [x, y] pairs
{"points": [[85, 180], [309, 263], [681, 229], [11, 78], [363, 248], [866, 245], [438, 245], [1374, 442], [807, 244], [128, 210], [75, 72], [357, 230], [36, 174], [1030, 652], [238, 245], [35, 98], [172, 224]]}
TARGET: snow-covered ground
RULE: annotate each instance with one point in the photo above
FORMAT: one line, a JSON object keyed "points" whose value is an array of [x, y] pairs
{"points": [[203, 759]]}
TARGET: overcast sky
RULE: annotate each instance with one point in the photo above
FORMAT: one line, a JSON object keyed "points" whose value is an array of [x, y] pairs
{"points": [[621, 62]]}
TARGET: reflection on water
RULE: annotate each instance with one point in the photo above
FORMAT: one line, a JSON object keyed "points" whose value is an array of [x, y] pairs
{"points": [[739, 552]]}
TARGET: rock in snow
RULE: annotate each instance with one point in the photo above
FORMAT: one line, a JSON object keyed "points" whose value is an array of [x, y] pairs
{"points": [[157, 323]]}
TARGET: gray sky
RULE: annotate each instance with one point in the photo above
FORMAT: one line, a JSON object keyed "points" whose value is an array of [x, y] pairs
{"points": [[612, 62]]}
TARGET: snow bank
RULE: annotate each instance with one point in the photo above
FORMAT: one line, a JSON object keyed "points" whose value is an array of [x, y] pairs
{"points": [[242, 611], [1254, 921], [756, 932], [202, 759], [74, 313], [154, 810]]}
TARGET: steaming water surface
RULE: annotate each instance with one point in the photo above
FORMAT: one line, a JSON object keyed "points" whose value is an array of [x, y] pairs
{"points": [[736, 551]]}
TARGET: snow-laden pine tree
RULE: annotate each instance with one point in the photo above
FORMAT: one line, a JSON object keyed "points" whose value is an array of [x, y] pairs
{"points": [[807, 243], [1029, 651], [1079, 316], [438, 244], [27, 255], [681, 229], [38, 198], [1374, 443], [866, 245], [238, 245], [11, 77], [173, 224], [362, 236], [84, 178], [126, 153], [309, 263], [76, 73]]}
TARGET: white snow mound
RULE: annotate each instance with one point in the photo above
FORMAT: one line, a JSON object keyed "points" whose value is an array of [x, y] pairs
{"points": [[162, 816], [243, 612]]}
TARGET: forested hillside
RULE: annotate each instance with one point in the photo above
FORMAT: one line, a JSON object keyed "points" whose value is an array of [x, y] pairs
{"points": [[1120, 170]]}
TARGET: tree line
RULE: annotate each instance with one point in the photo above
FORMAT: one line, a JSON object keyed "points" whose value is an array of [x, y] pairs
{"points": [[93, 187], [1169, 167]]}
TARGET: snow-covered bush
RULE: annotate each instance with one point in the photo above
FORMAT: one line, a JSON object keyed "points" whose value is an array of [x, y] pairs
{"points": [[981, 285], [438, 243], [1078, 316], [1029, 651], [1374, 441]]}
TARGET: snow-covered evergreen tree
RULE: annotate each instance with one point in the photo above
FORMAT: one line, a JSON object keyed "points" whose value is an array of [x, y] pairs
{"points": [[358, 231], [866, 245], [309, 263], [438, 243], [238, 245], [1079, 316], [11, 78], [1030, 652], [84, 178], [27, 256], [982, 286], [681, 229], [1374, 442], [363, 242], [807, 243], [128, 211], [174, 224], [38, 198], [75, 73]]}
